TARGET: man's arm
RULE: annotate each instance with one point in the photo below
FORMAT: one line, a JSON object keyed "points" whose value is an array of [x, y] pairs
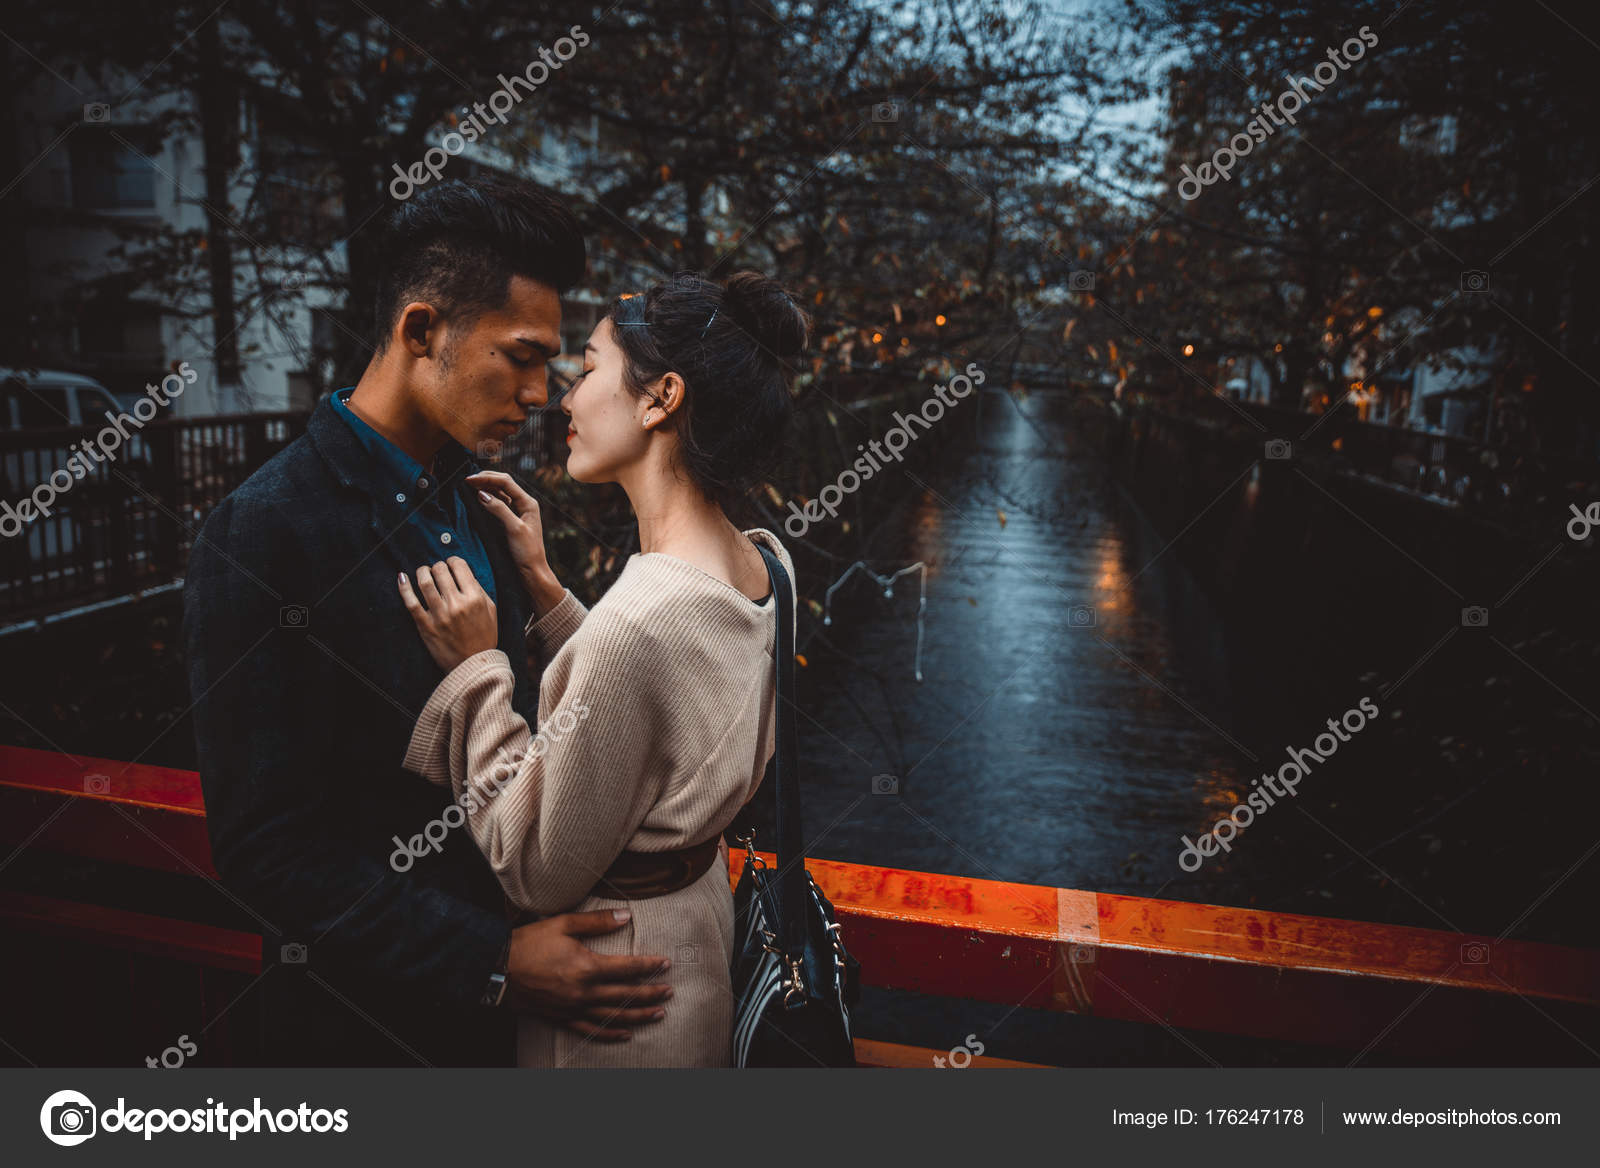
{"points": [[278, 836]]}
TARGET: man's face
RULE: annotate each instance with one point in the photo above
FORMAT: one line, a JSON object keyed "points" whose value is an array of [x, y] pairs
{"points": [[492, 373]]}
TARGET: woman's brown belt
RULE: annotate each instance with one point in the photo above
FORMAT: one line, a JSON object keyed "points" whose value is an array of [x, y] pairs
{"points": [[641, 875]]}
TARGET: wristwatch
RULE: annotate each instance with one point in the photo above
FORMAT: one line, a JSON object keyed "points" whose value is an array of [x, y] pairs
{"points": [[495, 989]]}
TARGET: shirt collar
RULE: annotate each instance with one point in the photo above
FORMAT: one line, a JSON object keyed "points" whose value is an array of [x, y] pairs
{"points": [[395, 464]]}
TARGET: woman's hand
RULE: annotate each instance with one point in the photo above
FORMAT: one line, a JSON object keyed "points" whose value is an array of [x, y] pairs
{"points": [[459, 619], [503, 497]]}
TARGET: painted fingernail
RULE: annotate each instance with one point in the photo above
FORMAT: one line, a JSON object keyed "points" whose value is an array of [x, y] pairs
{"points": [[659, 1014]]}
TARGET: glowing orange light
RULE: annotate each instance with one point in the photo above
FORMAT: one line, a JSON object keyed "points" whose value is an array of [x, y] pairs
{"points": [[1188, 350], [939, 320]]}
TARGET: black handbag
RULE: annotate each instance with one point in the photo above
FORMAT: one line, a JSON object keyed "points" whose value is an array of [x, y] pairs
{"points": [[792, 976]]}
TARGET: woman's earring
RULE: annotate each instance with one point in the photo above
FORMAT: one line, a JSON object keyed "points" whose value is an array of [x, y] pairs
{"points": [[659, 404]]}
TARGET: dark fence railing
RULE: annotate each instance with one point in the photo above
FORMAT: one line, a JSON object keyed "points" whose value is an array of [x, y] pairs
{"points": [[113, 524], [1493, 481]]}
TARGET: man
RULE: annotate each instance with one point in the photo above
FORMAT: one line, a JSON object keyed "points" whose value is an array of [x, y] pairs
{"points": [[387, 940]]}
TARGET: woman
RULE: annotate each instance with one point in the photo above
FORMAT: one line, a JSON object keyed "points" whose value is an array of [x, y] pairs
{"points": [[656, 707]]}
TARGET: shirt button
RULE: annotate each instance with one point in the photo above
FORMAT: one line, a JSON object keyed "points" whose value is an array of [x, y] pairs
{"points": [[400, 497], [423, 483], [445, 538]]}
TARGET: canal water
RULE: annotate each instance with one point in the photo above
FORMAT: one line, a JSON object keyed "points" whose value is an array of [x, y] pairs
{"points": [[1072, 721]]}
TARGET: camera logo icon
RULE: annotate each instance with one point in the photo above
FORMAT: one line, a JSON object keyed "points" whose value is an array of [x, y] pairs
{"points": [[97, 784], [292, 616], [68, 1118], [886, 111], [1081, 616], [97, 112], [1474, 280], [1080, 281], [885, 785], [293, 953], [1278, 448], [686, 954], [293, 281], [489, 450], [1474, 953], [1475, 617]]}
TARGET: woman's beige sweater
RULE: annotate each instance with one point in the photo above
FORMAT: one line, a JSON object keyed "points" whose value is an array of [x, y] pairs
{"points": [[656, 722]]}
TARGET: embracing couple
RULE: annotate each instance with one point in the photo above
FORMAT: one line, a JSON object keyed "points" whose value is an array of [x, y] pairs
{"points": [[379, 651]]}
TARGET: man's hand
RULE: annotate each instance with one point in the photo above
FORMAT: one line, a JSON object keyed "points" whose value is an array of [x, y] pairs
{"points": [[556, 976]]}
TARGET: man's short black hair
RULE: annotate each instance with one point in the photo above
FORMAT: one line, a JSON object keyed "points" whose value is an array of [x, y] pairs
{"points": [[457, 245]]}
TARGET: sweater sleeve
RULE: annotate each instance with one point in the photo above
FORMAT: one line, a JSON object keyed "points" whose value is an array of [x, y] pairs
{"points": [[546, 634], [551, 811]]}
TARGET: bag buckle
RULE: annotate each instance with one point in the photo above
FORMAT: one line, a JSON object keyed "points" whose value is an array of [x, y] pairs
{"points": [[751, 860], [793, 984]]}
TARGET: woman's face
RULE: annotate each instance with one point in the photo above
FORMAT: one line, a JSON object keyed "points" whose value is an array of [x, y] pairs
{"points": [[605, 429]]}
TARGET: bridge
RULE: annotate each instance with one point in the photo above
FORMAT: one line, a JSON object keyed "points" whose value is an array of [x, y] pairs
{"points": [[1373, 990]]}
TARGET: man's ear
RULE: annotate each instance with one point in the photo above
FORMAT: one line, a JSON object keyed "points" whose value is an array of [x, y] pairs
{"points": [[419, 328]]}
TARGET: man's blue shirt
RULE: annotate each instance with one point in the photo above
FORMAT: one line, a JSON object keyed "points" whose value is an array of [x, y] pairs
{"points": [[444, 526]]}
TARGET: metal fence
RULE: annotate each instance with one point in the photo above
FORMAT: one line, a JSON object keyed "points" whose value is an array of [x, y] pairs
{"points": [[109, 526], [1493, 481]]}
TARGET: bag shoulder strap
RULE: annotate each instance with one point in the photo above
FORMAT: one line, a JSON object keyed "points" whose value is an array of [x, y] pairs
{"points": [[791, 841]]}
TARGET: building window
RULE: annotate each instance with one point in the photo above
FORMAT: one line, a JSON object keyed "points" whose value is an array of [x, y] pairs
{"points": [[300, 186], [112, 168], [121, 334]]}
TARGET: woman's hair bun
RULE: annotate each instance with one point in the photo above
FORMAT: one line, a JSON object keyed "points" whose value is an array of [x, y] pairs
{"points": [[762, 306]]}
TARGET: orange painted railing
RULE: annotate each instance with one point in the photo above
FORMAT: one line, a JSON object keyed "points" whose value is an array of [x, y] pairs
{"points": [[1407, 992]]}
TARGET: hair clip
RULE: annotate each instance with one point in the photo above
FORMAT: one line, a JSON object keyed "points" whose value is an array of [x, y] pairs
{"points": [[713, 316]]}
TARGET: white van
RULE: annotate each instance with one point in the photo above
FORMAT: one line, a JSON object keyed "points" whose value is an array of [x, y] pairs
{"points": [[33, 400], [53, 400]]}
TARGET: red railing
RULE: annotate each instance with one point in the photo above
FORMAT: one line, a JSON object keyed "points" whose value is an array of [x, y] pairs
{"points": [[1409, 993]]}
